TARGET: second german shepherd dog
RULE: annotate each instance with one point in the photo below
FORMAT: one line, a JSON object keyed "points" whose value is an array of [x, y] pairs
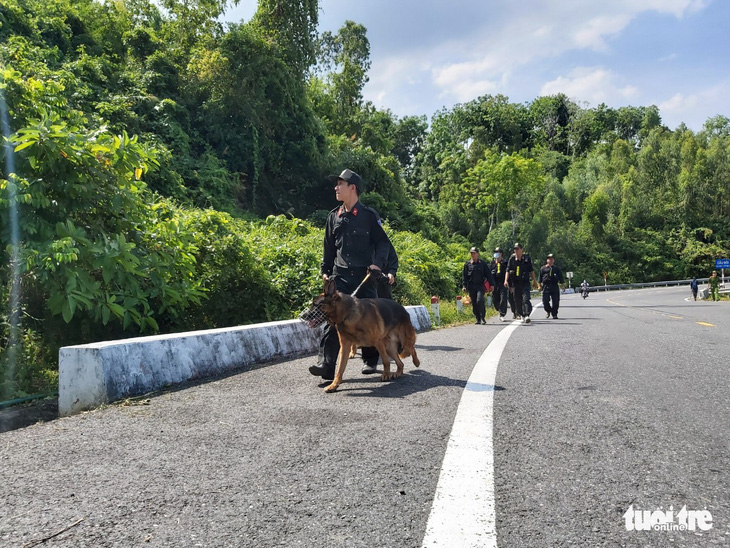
{"points": [[381, 323]]}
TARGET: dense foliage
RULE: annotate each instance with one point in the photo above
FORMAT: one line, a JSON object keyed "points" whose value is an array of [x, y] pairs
{"points": [[170, 173]]}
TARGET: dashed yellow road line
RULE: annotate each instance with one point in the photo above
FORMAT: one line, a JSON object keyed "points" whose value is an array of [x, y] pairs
{"points": [[667, 314], [706, 324]]}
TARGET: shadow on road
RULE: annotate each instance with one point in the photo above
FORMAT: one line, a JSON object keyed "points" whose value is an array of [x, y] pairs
{"points": [[411, 382], [23, 415], [443, 348]]}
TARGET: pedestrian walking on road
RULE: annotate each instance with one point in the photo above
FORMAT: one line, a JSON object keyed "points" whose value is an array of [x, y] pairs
{"points": [[694, 286], [473, 276], [500, 293], [520, 270], [354, 242], [713, 284], [551, 281]]}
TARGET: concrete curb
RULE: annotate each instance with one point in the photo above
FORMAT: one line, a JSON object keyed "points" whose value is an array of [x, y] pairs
{"points": [[94, 374]]}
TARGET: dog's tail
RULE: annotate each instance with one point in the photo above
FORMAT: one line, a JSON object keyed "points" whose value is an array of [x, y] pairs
{"points": [[407, 346]]}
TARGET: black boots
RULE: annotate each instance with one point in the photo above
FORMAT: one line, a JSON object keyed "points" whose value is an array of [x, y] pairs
{"points": [[322, 370]]}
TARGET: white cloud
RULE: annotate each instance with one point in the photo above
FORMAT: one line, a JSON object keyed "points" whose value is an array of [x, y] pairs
{"points": [[592, 34], [471, 89], [678, 8], [530, 32], [678, 102], [694, 108], [592, 84]]}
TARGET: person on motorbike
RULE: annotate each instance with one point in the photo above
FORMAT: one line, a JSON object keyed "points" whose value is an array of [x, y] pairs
{"points": [[584, 289]]}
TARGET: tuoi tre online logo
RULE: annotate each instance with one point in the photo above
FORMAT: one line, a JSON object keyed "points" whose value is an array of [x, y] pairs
{"points": [[667, 520]]}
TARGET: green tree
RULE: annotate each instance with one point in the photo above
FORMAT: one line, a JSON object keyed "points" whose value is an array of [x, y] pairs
{"points": [[344, 59], [500, 187], [552, 119], [192, 21], [293, 27]]}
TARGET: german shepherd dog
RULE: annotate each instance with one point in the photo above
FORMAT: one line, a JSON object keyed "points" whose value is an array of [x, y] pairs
{"points": [[381, 323]]}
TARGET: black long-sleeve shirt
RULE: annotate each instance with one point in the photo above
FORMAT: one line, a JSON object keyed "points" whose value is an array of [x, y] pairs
{"points": [[476, 273], [354, 239], [499, 269], [519, 269], [551, 275]]}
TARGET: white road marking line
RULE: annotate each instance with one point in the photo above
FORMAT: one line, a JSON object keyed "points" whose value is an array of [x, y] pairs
{"points": [[463, 512]]}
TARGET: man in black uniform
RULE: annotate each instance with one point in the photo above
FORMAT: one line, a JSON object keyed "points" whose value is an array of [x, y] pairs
{"points": [[511, 299], [387, 280], [519, 271], [473, 276], [550, 277], [500, 293], [354, 241]]}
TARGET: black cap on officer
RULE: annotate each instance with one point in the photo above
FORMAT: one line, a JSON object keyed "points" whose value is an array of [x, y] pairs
{"points": [[517, 245], [350, 177], [473, 250], [498, 250], [550, 256]]}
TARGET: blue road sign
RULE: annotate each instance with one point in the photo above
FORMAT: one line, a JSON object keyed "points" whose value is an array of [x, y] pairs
{"points": [[722, 263]]}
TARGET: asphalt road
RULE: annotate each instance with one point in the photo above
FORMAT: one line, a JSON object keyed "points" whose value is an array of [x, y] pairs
{"points": [[621, 403]]}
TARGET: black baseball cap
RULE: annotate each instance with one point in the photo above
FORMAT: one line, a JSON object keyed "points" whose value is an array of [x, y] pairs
{"points": [[517, 245], [350, 177], [550, 256], [473, 250], [498, 250]]}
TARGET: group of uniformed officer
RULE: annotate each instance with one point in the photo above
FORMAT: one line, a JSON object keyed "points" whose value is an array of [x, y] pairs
{"points": [[510, 282]]}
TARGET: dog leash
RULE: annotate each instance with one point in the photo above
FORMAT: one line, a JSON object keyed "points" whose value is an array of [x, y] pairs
{"points": [[365, 279]]}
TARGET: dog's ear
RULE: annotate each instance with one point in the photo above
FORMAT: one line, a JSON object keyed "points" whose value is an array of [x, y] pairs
{"points": [[330, 287]]}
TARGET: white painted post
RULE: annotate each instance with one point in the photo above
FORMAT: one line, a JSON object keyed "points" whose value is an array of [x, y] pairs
{"points": [[435, 310]]}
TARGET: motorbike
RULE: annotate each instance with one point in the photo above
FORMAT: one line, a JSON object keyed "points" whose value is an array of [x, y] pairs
{"points": [[584, 292]]}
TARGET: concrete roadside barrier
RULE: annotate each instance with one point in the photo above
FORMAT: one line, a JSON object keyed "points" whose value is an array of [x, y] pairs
{"points": [[98, 373]]}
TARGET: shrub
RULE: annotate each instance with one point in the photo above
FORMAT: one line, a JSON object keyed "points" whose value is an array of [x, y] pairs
{"points": [[238, 288]]}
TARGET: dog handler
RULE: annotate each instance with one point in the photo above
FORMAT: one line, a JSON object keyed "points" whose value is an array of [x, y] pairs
{"points": [[354, 241]]}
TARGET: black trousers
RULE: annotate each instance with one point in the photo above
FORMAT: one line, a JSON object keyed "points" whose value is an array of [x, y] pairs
{"points": [[551, 292], [476, 294], [384, 288], [523, 305], [500, 298], [329, 344]]}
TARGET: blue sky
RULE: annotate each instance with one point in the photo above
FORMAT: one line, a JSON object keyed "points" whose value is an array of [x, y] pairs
{"points": [[430, 54]]}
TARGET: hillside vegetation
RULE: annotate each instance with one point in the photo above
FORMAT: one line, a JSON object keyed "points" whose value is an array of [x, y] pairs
{"points": [[170, 173]]}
